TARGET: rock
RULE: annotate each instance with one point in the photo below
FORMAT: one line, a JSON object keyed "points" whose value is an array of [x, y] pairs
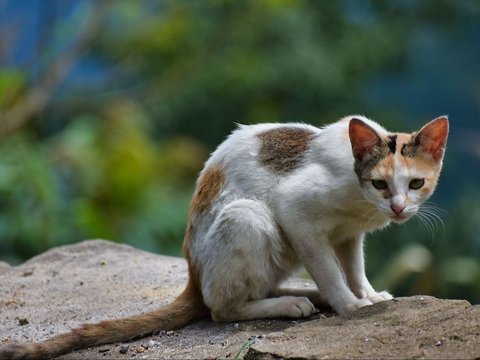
{"points": [[4, 267], [96, 280], [414, 327]]}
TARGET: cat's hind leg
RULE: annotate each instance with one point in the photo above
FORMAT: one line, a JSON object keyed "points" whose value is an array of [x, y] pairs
{"points": [[243, 261], [280, 307]]}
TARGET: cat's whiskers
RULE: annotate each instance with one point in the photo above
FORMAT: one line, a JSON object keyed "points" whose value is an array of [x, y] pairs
{"points": [[368, 206], [436, 218], [371, 213], [433, 210], [369, 209], [427, 222], [429, 215]]}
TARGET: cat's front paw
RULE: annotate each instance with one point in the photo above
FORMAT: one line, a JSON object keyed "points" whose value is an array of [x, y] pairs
{"points": [[376, 297], [354, 305]]}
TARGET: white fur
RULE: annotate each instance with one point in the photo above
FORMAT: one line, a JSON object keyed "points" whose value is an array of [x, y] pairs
{"points": [[264, 225]]}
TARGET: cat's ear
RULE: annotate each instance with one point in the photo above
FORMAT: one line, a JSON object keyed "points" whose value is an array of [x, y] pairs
{"points": [[362, 137], [432, 138]]}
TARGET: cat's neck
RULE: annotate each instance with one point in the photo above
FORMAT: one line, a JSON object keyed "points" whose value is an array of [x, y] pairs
{"points": [[358, 215]]}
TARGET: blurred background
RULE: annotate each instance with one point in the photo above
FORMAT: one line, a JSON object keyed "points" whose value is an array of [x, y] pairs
{"points": [[108, 110]]}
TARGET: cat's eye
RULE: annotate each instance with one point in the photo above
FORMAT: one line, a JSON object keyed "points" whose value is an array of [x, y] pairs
{"points": [[416, 184], [379, 184]]}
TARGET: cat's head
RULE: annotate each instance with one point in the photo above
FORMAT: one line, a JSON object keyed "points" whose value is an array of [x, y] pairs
{"points": [[397, 171]]}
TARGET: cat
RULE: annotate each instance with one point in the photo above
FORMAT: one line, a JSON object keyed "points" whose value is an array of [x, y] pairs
{"points": [[273, 197]]}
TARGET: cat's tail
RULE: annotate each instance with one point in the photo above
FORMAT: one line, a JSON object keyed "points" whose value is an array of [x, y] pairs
{"points": [[185, 309]]}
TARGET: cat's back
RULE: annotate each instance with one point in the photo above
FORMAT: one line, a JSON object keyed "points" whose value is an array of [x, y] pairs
{"points": [[261, 153], [255, 157], [251, 142]]}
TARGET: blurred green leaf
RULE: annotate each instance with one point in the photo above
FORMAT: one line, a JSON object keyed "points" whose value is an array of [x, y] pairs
{"points": [[411, 259], [11, 81], [461, 270]]}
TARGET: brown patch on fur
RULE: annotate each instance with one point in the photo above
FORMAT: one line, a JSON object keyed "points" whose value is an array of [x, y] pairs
{"points": [[282, 149], [194, 283], [209, 185]]}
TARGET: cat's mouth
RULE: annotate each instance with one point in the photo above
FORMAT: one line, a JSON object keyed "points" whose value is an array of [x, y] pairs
{"points": [[400, 218]]}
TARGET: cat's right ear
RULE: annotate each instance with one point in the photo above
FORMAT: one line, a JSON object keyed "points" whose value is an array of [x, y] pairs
{"points": [[432, 138], [362, 137]]}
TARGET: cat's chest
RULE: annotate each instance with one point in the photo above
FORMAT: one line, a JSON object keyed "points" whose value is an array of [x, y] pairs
{"points": [[351, 223]]}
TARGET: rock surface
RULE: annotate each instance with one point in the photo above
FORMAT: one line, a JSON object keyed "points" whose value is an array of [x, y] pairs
{"points": [[96, 280]]}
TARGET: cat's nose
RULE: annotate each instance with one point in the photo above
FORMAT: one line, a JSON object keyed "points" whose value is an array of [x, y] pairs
{"points": [[397, 209]]}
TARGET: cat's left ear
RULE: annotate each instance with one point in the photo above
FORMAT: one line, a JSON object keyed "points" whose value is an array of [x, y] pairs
{"points": [[363, 138], [432, 138]]}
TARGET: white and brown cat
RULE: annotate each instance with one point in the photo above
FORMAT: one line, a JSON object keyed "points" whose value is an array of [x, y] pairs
{"points": [[273, 197]]}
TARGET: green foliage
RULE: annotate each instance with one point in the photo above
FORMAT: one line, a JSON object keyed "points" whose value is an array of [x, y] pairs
{"points": [[11, 82], [98, 178], [250, 61]]}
